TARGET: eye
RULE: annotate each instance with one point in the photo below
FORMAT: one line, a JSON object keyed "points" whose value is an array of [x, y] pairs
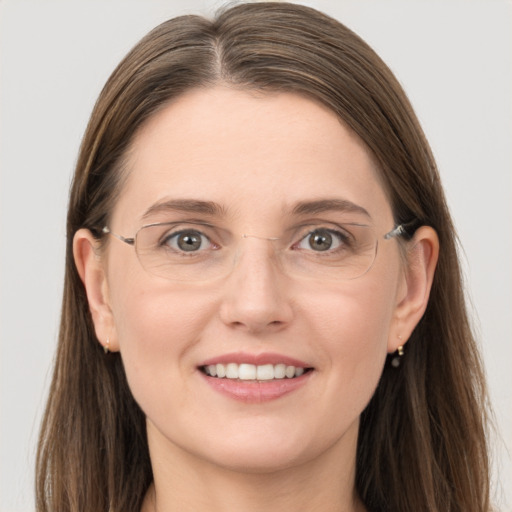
{"points": [[322, 239], [188, 240]]}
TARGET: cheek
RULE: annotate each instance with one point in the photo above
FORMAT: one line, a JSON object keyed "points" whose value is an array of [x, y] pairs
{"points": [[351, 330], [157, 331], [147, 315], [356, 321]]}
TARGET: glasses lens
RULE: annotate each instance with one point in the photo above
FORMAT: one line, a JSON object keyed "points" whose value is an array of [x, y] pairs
{"points": [[193, 252], [342, 252], [182, 252]]}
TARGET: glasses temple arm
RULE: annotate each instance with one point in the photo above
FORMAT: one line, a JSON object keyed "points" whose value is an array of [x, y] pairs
{"points": [[129, 241], [403, 230]]}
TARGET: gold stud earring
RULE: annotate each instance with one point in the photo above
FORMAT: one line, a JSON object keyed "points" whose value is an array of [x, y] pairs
{"points": [[105, 347], [395, 362]]}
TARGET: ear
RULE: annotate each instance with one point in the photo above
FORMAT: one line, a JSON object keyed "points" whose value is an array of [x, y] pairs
{"points": [[418, 275], [91, 268]]}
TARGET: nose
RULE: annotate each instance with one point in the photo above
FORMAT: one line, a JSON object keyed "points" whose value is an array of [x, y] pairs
{"points": [[256, 297]]}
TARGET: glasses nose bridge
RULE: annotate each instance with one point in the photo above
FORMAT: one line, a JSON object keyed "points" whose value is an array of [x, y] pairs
{"points": [[269, 238], [272, 246], [256, 252]]}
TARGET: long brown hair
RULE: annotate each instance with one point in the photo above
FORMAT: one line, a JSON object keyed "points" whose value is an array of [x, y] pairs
{"points": [[422, 440]]}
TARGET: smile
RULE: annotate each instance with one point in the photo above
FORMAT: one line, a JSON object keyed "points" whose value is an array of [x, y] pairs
{"points": [[253, 372], [255, 378]]}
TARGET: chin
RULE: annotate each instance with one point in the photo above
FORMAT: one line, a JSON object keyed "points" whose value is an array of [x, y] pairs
{"points": [[265, 451], [259, 460]]}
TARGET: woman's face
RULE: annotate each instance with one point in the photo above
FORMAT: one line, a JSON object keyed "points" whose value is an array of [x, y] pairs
{"points": [[263, 165]]}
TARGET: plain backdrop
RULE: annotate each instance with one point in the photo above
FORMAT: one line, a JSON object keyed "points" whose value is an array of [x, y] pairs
{"points": [[454, 59]]}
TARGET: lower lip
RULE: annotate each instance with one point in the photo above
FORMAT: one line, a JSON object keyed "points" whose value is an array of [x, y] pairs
{"points": [[256, 391]]}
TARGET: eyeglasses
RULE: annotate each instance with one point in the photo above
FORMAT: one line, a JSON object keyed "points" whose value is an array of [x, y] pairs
{"points": [[194, 251]]}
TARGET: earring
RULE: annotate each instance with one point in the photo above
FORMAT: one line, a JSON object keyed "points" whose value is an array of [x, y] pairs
{"points": [[395, 362], [105, 347]]}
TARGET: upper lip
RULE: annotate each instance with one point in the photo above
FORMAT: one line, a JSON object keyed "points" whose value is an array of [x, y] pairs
{"points": [[256, 359]]}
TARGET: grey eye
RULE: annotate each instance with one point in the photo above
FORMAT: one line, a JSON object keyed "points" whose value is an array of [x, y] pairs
{"points": [[320, 240], [188, 241]]}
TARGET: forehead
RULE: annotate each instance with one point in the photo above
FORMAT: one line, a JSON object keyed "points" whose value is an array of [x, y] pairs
{"points": [[253, 154]]}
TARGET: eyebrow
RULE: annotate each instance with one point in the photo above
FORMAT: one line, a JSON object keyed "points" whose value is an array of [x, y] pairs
{"points": [[327, 205], [185, 206], [214, 209]]}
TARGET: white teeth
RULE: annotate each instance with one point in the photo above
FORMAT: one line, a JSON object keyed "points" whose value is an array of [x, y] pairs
{"points": [[290, 371], [279, 371], [246, 372], [252, 372], [265, 372], [221, 370], [232, 371]]}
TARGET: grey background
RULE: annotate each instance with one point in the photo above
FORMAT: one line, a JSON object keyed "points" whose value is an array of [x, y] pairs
{"points": [[454, 59]]}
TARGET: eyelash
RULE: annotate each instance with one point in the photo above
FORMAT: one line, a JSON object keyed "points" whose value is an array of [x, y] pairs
{"points": [[165, 239], [342, 236], [343, 239]]}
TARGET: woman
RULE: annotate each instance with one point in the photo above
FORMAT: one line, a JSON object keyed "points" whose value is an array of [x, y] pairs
{"points": [[263, 306]]}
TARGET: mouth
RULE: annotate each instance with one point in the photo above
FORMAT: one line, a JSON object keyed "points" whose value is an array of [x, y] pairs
{"points": [[253, 378], [253, 372]]}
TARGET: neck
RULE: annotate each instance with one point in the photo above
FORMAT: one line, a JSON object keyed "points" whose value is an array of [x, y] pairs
{"points": [[185, 483]]}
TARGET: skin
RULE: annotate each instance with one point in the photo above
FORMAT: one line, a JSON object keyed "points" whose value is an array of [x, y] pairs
{"points": [[256, 156]]}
